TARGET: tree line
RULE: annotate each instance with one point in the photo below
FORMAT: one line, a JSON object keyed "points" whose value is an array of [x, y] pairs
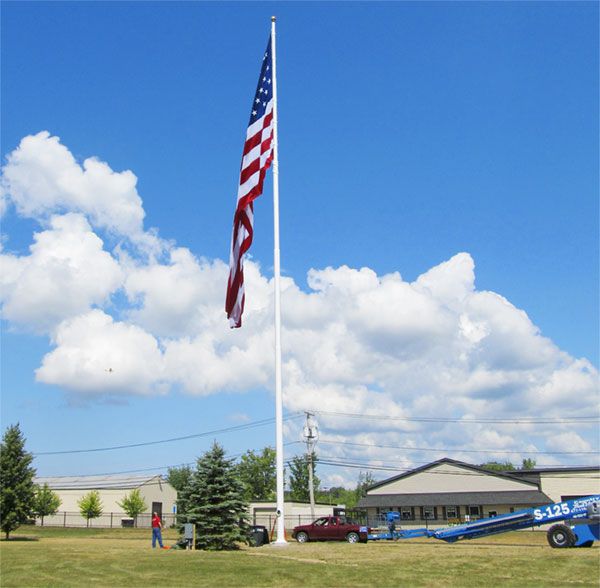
{"points": [[213, 496], [507, 466], [257, 472]]}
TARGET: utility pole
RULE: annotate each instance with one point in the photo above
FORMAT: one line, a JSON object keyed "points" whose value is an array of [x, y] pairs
{"points": [[311, 435]]}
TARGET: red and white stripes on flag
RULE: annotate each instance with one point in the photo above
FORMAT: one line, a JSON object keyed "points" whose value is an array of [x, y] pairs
{"points": [[256, 159]]}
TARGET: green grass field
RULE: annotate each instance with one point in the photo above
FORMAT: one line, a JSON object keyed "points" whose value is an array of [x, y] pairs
{"points": [[123, 557]]}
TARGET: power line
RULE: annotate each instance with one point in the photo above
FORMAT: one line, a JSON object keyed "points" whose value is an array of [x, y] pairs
{"points": [[323, 460], [357, 464], [107, 484], [516, 421], [193, 436], [525, 420], [447, 450], [406, 465], [154, 468]]}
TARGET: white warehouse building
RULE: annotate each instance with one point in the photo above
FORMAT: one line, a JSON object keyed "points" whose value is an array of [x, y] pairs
{"points": [[157, 493]]}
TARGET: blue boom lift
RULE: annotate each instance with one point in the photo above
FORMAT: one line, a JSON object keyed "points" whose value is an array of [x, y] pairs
{"points": [[584, 511]]}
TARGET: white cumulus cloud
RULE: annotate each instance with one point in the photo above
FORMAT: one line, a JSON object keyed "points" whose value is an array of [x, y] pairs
{"points": [[66, 272], [354, 343], [41, 177], [94, 353]]}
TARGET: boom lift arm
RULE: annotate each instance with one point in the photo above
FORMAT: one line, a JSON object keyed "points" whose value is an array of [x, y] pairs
{"points": [[562, 535]]}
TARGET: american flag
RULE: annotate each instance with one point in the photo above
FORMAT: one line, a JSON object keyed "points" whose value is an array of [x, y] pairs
{"points": [[256, 159]]}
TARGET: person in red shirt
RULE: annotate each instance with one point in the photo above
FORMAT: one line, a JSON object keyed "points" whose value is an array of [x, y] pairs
{"points": [[156, 531]]}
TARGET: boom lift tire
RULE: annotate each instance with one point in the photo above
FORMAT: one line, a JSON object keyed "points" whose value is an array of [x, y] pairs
{"points": [[560, 536]]}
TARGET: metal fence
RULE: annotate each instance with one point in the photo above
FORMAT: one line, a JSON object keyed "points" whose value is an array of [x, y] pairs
{"points": [[107, 520], [113, 520], [291, 521]]}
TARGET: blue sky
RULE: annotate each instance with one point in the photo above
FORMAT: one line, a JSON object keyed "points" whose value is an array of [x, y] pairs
{"points": [[454, 141]]}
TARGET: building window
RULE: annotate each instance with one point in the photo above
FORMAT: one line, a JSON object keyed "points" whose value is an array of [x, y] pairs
{"points": [[428, 512], [492, 513], [473, 511], [406, 513], [451, 512]]}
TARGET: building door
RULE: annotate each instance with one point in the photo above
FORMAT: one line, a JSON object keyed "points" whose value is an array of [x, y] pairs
{"points": [[157, 508]]}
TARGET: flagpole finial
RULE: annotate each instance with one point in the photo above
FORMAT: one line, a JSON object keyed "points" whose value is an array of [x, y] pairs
{"points": [[273, 19]]}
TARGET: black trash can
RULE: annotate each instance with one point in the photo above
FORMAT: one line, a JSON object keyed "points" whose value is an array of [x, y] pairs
{"points": [[258, 535]]}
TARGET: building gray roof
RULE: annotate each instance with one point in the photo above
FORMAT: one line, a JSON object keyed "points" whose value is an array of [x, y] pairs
{"points": [[555, 470], [516, 497], [98, 482], [534, 475]]}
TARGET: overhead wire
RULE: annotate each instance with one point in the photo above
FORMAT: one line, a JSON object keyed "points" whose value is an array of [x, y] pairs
{"points": [[398, 467], [107, 484], [243, 427], [358, 464], [447, 450], [526, 420], [154, 468], [346, 462]]}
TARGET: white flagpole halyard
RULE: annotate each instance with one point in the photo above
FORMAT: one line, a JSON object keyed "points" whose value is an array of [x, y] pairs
{"points": [[276, 271]]}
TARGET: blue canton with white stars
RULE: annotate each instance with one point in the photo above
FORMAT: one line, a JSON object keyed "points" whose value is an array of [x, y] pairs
{"points": [[264, 89]]}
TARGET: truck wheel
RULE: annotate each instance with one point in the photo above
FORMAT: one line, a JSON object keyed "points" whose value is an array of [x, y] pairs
{"points": [[560, 536], [352, 537], [302, 537]]}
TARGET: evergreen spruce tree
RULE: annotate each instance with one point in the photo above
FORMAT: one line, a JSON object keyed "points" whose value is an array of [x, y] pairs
{"points": [[214, 501], [17, 489]]}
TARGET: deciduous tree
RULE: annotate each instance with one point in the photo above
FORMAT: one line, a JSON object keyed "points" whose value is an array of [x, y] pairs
{"points": [[365, 480], [90, 506], [258, 473], [179, 476], [528, 464], [496, 466], [47, 502], [299, 477], [133, 504]]}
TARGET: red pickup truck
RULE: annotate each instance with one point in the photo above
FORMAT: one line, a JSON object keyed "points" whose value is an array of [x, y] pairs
{"points": [[330, 529]]}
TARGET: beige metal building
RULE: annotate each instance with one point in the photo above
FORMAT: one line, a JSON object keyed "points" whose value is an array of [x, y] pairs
{"points": [[296, 513], [563, 483], [158, 495], [448, 491]]}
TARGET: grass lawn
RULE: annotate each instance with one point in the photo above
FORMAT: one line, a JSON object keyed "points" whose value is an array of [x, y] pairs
{"points": [[123, 557]]}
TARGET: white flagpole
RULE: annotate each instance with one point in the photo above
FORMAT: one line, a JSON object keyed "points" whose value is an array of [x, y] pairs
{"points": [[278, 393]]}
